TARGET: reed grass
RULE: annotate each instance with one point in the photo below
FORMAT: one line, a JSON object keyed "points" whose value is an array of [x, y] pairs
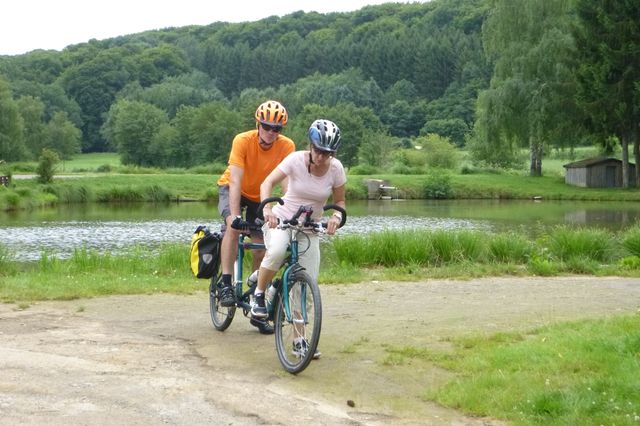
{"points": [[568, 243], [386, 255], [510, 247], [561, 250], [631, 241]]}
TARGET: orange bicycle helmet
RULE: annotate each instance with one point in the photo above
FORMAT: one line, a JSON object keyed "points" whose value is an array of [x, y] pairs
{"points": [[272, 113]]}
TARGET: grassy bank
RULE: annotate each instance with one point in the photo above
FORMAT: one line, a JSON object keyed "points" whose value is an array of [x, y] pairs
{"points": [[25, 194], [101, 178]]}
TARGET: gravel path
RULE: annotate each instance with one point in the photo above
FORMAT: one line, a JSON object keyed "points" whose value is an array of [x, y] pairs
{"points": [[141, 360]]}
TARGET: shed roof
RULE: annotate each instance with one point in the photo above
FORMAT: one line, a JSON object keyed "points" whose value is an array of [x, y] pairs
{"points": [[592, 162]]}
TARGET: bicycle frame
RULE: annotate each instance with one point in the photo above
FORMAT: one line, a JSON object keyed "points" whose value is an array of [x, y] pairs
{"points": [[237, 267], [290, 266]]}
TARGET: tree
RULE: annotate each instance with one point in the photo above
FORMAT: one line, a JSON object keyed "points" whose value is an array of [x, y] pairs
{"points": [[608, 45], [204, 134], [403, 118], [156, 63], [173, 92], [350, 86], [12, 146], [32, 113], [93, 85], [52, 96], [62, 136], [454, 129], [528, 102], [131, 128]]}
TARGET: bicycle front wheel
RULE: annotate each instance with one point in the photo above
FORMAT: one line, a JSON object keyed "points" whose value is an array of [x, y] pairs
{"points": [[221, 316], [297, 322]]}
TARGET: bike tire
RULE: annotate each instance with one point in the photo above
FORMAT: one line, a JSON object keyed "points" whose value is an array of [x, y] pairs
{"points": [[221, 316], [305, 322]]}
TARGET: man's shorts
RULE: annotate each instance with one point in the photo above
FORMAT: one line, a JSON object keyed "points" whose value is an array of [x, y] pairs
{"points": [[248, 207]]}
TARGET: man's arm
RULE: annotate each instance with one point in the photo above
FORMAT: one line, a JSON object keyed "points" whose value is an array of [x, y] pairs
{"points": [[235, 193]]}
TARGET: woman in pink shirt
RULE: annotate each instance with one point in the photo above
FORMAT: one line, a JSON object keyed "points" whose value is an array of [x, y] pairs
{"points": [[312, 177]]}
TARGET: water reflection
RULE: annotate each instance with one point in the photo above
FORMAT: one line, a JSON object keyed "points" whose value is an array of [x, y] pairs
{"points": [[58, 231]]}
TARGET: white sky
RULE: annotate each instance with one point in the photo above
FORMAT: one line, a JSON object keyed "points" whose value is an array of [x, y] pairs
{"points": [[26, 25]]}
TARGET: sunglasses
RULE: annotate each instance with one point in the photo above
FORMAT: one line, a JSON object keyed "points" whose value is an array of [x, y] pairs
{"points": [[268, 128], [321, 152]]}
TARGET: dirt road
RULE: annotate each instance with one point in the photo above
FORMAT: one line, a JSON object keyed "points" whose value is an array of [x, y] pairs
{"points": [[147, 360]]}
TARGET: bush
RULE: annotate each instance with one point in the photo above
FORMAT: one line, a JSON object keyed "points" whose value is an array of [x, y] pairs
{"points": [[414, 158], [438, 186], [403, 169], [46, 165], [363, 169], [440, 153]]}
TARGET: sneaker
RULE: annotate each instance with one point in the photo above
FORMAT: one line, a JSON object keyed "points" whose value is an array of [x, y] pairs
{"points": [[263, 325], [227, 298], [301, 347], [258, 307]]}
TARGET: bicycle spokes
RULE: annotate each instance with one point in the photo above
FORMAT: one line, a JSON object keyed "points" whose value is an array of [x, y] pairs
{"points": [[298, 321]]}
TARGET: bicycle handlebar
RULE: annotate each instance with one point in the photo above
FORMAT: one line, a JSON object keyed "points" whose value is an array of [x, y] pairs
{"points": [[307, 211]]}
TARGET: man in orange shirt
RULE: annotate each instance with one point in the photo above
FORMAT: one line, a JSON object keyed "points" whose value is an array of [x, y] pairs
{"points": [[253, 156]]}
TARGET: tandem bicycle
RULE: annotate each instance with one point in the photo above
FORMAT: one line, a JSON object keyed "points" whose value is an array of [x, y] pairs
{"points": [[296, 308]]}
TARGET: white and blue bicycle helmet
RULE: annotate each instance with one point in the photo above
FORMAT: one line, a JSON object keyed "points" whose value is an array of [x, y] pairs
{"points": [[325, 135]]}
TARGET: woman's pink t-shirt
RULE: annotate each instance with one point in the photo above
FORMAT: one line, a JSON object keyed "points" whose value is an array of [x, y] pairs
{"points": [[305, 189]]}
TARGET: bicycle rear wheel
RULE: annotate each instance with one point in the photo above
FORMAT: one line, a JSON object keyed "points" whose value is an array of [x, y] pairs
{"points": [[297, 330], [221, 316]]}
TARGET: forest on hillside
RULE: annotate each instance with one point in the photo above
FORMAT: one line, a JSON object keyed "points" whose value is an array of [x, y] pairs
{"points": [[490, 75]]}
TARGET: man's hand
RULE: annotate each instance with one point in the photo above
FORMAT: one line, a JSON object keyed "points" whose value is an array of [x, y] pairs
{"points": [[237, 223]]}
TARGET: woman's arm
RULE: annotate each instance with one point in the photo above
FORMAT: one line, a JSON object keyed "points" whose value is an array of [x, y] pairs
{"points": [[338, 199], [266, 190]]}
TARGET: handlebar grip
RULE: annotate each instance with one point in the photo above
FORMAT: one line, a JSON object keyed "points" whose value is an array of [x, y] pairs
{"points": [[338, 208], [243, 225], [269, 200]]}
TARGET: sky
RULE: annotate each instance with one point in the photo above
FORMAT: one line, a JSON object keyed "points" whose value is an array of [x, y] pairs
{"points": [[26, 25]]}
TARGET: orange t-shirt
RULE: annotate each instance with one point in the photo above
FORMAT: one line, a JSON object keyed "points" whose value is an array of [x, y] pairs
{"points": [[256, 162]]}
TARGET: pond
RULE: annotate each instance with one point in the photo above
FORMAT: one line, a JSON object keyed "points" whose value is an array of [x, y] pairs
{"points": [[111, 227]]}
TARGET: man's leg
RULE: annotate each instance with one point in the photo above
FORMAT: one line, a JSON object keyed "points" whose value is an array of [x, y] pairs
{"points": [[228, 250]]}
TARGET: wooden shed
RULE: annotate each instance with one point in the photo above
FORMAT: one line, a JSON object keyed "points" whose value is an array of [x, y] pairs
{"points": [[598, 172]]}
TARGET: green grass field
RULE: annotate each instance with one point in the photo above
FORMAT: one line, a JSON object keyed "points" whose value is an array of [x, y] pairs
{"points": [[92, 162]]}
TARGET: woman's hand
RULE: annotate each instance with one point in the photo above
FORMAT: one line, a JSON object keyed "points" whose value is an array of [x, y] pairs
{"points": [[269, 217], [333, 223]]}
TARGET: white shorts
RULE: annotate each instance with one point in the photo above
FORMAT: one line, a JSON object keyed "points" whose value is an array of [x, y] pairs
{"points": [[277, 240]]}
